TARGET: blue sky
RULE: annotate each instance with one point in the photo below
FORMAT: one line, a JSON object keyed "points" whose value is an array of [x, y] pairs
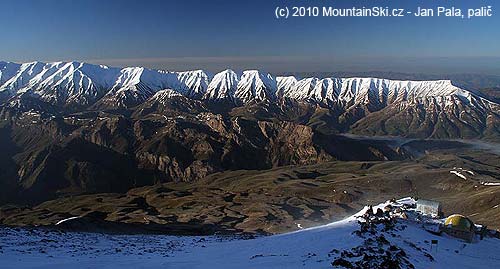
{"points": [[218, 34]]}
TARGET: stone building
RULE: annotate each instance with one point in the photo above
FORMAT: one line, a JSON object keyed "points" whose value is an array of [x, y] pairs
{"points": [[429, 208]]}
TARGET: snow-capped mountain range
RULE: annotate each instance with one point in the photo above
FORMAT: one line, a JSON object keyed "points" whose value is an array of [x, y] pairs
{"points": [[70, 83], [368, 106]]}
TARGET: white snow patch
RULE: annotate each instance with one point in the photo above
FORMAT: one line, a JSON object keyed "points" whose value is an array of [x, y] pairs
{"points": [[491, 183], [64, 220], [458, 174]]}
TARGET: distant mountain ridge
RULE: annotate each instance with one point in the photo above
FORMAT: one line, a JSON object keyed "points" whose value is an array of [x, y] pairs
{"points": [[66, 83], [436, 108]]}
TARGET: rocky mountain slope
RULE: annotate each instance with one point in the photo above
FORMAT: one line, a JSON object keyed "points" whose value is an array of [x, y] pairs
{"points": [[46, 156], [280, 199]]}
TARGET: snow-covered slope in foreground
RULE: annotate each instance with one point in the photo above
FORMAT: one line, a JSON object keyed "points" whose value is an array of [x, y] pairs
{"points": [[309, 248]]}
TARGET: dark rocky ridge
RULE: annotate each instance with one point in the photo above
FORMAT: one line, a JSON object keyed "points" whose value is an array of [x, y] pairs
{"points": [[52, 155]]}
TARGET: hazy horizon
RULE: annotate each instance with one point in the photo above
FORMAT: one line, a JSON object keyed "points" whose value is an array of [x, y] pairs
{"points": [[219, 34], [280, 65]]}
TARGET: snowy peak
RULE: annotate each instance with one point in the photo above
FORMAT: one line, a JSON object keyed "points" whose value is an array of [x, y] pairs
{"points": [[255, 85], [242, 88], [194, 83], [134, 85], [154, 79], [72, 83], [60, 82], [165, 94], [223, 86], [22, 77]]}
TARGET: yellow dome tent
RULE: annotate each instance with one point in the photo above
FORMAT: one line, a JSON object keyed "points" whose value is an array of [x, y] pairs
{"points": [[459, 226], [459, 222]]}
